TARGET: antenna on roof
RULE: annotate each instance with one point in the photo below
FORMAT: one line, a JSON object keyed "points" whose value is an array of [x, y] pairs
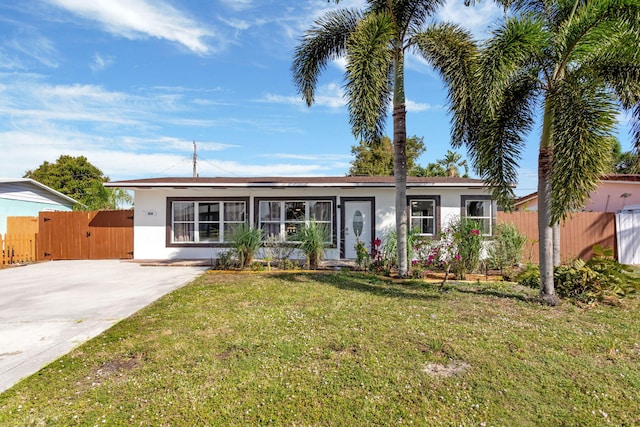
{"points": [[195, 157]]}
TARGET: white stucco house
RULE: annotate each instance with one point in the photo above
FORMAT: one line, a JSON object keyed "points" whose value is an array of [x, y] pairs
{"points": [[26, 197], [192, 218]]}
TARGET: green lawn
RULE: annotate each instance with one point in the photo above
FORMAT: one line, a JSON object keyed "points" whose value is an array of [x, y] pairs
{"points": [[345, 349]]}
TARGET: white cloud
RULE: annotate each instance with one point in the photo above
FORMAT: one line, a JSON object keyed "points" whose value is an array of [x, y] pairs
{"points": [[135, 19], [416, 107], [237, 24], [100, 62], [31, 44], [475, 18], [329, 95], [231, 168]]}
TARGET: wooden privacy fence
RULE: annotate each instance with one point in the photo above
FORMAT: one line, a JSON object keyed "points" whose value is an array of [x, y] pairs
{"points": [[578, 234], [19, 245], [85, 235]]}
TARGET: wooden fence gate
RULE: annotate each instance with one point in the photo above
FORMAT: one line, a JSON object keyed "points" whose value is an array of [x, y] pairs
{"points": [[85, 235]]}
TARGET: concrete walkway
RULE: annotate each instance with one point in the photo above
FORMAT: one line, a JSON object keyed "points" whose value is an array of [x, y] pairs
{"points": [[47, 309]]}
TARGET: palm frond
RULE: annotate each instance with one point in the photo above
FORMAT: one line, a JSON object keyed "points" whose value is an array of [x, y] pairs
{"points": [[594, 27], [451, 50], [519, 43], [369, 68], [324, 42], [408, 15], [583, 121], [496, 152]]}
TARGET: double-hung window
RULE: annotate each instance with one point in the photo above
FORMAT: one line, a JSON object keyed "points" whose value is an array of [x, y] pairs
{"points": [[205, 221], [284, 218], [479, 209], [423, 217], [423, 214]]}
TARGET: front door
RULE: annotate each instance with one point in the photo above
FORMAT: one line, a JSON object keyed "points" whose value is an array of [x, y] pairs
{"points": [[356, 225]]}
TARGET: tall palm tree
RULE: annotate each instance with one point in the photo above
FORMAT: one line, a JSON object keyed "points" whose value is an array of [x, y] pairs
{"points": [[578, 61], [374, 42]]}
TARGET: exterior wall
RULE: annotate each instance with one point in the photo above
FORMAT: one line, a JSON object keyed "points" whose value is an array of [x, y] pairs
{"points": [[151, 216], [24, 208], [612, 196], [22, 198]]}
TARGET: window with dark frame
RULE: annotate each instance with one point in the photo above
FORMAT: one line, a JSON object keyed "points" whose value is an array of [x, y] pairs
{"points": [[423, 216], [480, 210], [213, 223], [284, 218]]}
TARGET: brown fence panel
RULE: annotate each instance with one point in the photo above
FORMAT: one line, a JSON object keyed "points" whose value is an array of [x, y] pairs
{"points": [[111, 235], [64, 235], [19, 245], [24, 225], [17, 249], [578, 234], [86, 235]]}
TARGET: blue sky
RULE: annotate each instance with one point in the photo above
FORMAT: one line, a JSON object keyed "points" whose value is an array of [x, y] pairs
{"points": [[130, 84]]}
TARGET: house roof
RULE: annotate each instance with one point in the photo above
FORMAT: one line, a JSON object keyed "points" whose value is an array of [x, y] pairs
{"points": [[317, 181], [634, 178], [31, 182]]}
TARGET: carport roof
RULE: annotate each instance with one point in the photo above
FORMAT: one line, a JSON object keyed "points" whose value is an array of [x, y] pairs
{"points": [[318, 181]]}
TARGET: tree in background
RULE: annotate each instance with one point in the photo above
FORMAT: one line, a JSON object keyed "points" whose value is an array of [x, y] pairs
{"points": [[626, 162], [77, 178], [578, 61], [375, 158]]}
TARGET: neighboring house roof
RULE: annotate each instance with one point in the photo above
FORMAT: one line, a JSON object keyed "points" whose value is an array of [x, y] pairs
{"points": [[318, 181], [522, 201], [27, 182], [618, 178]]}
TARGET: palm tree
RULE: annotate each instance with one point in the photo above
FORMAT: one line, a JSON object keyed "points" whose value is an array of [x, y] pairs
{"points": [[374, 42], [575, 59], [451, 162]]}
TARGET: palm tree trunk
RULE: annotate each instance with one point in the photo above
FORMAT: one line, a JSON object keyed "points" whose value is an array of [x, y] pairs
{"points": [[545, 230], [556, 245], [400, 160]]}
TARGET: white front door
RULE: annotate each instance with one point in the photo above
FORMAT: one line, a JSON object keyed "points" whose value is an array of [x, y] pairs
{"points": [[357, 226]]}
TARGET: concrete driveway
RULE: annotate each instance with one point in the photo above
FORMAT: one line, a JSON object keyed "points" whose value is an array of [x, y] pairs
{"points": [[49, 308]]}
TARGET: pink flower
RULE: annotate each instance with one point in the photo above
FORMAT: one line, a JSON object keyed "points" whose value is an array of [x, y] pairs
{"points": [[377, 242], [475, 232]]}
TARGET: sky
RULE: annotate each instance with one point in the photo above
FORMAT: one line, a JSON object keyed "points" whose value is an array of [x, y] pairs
{"points": [[132, 84]]}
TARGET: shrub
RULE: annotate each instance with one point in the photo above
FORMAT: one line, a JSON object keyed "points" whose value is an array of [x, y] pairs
{"points": [[362, 255], [529, 276], [313, 239], [467, 239], [599, 279], [506, 249], [226, 261], [274, 249], [596, 280], [246, 241]]}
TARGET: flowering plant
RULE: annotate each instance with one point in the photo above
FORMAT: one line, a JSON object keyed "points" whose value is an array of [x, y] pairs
{"points": [[457, 250]]}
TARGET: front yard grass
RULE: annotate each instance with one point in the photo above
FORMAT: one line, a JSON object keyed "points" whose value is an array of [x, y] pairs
{"points": [[345, 349]]}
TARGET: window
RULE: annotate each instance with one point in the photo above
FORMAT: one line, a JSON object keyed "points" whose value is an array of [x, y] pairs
{"points": [[283, 218], [423, 212], [205, 221], [423, 217], [480, 210]]}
